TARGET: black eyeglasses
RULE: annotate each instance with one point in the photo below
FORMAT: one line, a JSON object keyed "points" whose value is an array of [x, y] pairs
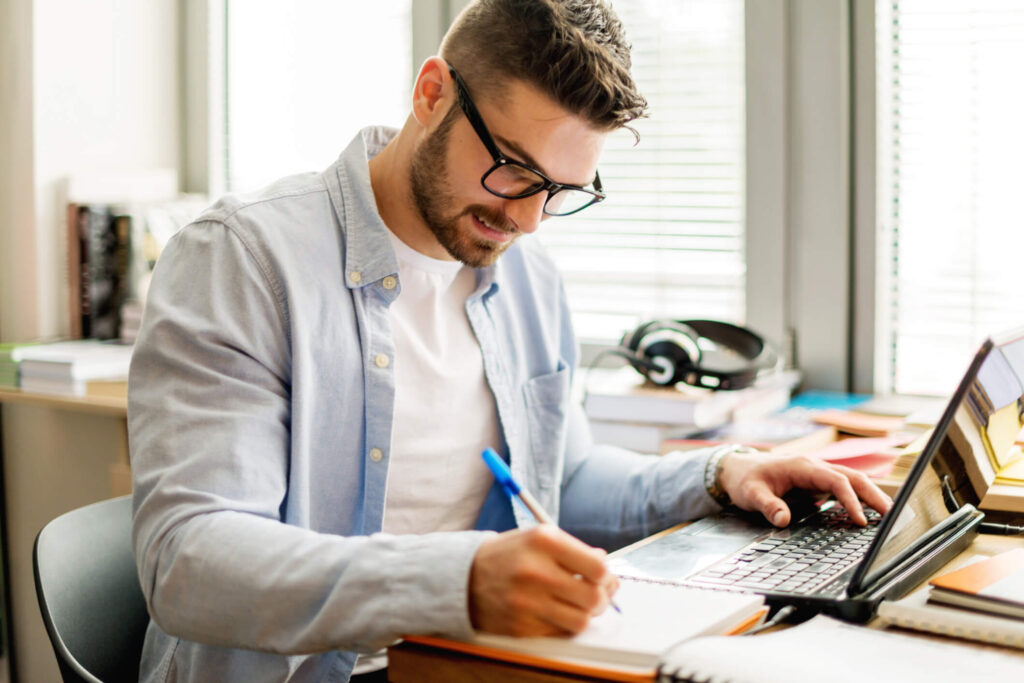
{"points": [[511, 179]]}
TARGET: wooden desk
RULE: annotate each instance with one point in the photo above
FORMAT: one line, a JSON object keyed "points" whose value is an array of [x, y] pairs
{"points": [[108, 406], [408, 663], [59, 453]]}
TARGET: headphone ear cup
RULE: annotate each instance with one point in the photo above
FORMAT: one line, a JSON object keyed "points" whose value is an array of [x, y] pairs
{"points": [[671, 360], [672, 347]]}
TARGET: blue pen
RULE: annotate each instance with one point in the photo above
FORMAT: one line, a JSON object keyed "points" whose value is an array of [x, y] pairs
{"points": [[503, 475]]}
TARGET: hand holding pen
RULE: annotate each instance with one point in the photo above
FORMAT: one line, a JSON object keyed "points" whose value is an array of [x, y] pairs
{"points": [[542, 580]]}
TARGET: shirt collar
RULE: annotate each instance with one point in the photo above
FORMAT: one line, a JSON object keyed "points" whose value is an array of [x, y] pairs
{"points": [[369, 255]]}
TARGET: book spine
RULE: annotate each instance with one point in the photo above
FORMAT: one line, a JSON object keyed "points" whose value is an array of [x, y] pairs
{"points": [[101, 241], [123, 261], [74, 274], [82, 238]]}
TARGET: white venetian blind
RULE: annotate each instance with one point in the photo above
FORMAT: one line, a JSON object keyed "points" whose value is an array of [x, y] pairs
{"points": [[951, 173], [669, 240], [304, 76]]}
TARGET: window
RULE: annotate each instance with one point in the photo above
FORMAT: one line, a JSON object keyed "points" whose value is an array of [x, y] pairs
{"points": [[950, 144], [668, 242], [304, 76]]}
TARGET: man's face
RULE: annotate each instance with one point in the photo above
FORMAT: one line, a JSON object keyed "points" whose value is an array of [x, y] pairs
{"points": [[473, 225]]}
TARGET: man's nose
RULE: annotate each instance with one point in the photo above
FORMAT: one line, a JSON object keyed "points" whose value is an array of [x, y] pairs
{"points": [[528, 212]]}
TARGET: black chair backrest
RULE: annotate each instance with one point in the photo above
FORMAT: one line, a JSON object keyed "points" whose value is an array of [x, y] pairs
{"points": [[89, 593]]}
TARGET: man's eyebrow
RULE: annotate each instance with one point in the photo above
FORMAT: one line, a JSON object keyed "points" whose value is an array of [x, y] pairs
{"points": [[524, 156], [521, 153]]}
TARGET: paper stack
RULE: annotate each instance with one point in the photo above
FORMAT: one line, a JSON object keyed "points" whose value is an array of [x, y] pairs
{"points": [[68, 368]]}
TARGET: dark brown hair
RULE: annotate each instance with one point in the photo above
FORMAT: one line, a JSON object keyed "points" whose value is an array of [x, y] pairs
{"points": [[574, 51]]}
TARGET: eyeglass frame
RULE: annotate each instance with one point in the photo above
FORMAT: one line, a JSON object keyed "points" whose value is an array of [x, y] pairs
{"points": [[500, 160]]}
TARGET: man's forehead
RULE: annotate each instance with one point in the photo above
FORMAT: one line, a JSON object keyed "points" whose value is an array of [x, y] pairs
{"points": [[528, 125]]}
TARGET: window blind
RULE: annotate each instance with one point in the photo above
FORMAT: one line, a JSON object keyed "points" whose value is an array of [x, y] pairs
{"points": [[951, 141], [304, 76], [669, 240]]}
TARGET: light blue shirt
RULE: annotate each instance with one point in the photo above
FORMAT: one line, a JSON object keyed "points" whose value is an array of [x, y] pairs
{"points": [[260, 414]]}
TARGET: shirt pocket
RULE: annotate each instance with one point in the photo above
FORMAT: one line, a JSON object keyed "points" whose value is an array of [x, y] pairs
{"points": [[547, 410]]}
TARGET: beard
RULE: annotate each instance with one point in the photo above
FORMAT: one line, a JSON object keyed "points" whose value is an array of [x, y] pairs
{"points": [[434, 199]]}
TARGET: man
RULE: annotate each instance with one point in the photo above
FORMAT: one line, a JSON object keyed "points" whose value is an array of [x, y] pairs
{"points": [[325, 360]]}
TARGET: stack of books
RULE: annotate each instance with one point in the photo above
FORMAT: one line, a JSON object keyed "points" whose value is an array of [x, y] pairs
{"points": [[74, 368], [116, 227], [982, 601], [625, 410], [10, 360]]}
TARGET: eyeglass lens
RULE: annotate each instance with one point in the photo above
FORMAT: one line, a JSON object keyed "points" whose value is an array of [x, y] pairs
{"points": [[512, 181]]}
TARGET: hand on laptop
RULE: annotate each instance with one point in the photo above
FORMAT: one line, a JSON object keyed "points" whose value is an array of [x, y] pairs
{"points": [[757, 481]]}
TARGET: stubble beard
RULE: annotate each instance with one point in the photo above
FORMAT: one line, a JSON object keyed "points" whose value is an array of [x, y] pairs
{"points": [[428, 179]]}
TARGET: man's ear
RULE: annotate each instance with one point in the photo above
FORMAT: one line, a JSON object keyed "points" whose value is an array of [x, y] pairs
{"points": [[433, 93]]}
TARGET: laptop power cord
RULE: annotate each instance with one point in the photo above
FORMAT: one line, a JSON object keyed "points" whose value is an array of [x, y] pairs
{"points": [[984, 527], [1002, 529]]}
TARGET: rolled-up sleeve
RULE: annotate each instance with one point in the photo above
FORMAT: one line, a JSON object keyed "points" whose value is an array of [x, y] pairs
{"points": [[611, 496]]}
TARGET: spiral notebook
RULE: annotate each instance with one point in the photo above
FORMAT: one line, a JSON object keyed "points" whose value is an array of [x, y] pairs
{"points": [[825, 649], [626, 646], [916, 613]]}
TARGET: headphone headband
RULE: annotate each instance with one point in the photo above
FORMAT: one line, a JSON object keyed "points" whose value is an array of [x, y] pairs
{"points": [[669, 351]]}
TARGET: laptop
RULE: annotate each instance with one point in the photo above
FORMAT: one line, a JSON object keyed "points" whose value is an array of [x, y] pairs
{"points": [[822, 562]]}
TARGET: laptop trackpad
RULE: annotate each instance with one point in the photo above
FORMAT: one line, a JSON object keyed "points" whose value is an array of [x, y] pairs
{"points": [[692, 548]]}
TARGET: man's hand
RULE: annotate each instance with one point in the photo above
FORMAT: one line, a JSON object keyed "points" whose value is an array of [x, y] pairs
{"points": [[537, 582], [756, 481]]}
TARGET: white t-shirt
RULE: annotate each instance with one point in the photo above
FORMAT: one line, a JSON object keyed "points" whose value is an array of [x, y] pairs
{"points": [[444, 411]]}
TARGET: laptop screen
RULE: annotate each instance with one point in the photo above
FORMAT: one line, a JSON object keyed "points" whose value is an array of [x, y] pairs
{"points": [[973, 440]]}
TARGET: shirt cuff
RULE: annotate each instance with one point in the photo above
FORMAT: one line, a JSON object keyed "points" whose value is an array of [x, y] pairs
{"points": [[431, 594]]}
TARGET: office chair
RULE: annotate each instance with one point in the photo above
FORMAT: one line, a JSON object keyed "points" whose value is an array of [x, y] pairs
{"points": [[89, 593]]}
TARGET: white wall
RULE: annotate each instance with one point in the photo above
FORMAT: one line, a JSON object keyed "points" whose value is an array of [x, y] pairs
{"points": [[106, 100], [85, 87]]}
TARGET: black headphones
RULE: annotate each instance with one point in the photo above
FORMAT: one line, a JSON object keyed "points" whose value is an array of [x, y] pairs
{"points": [[704, 353]]}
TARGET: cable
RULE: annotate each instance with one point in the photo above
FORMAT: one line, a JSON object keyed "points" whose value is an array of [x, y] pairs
{"points": [[616, 351], [784, 613], [984, 527], [1001, 529]]}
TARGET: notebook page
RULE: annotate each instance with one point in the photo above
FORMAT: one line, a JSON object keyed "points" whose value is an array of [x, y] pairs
{"points": [[826, 649], [654, 618]]}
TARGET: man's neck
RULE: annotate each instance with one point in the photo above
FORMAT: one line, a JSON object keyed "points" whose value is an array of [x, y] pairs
{"points": [[389, 178]]}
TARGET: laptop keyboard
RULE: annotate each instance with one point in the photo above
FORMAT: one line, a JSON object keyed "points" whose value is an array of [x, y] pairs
{"points": [[810, 557]]}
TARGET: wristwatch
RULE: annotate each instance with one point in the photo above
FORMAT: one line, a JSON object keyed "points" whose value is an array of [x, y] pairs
{"points": [[713, 469]]}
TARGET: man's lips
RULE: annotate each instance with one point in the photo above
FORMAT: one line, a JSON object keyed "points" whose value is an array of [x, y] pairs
{"points": [[490, 233]]}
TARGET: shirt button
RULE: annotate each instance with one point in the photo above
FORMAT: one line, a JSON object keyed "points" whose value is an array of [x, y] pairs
{"points": [[389, 282], [376, 454], [355, 276], [381, 360]]}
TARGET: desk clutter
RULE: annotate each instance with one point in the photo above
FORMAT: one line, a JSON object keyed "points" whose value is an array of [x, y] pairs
{"points": [[890, 431]]}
